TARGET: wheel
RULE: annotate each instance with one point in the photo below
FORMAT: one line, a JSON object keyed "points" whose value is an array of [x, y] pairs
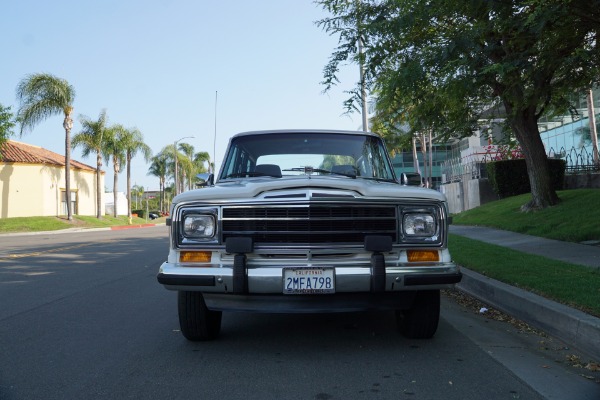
{"points": [[197, 322], [421, 320]]}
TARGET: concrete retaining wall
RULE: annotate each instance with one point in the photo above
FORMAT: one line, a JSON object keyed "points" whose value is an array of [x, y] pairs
{"points": [[470, 193]]}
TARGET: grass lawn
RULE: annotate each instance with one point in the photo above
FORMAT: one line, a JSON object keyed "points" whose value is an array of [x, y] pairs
{"points": [[573, 285], [575, 219], [37, 224]]}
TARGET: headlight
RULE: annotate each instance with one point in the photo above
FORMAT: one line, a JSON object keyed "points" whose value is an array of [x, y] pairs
{"points": [[199, 226], [420, 225]]}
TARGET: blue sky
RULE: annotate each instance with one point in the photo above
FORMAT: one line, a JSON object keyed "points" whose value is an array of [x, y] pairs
{"points": [[158, 64]]}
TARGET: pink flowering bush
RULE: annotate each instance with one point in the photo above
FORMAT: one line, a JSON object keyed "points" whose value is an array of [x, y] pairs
{"points": [[504, 152]]}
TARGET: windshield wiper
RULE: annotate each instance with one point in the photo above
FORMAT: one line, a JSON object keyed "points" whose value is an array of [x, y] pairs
{"points": [[380, 179], [249, 174], [310, 170]]}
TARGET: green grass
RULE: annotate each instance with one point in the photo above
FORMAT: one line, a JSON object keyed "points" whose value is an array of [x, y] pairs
{"points": [[575, 219], [565, 283], [38, 224]]}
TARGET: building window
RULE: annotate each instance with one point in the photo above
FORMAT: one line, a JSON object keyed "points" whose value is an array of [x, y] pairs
{"points": [[63, 203]]}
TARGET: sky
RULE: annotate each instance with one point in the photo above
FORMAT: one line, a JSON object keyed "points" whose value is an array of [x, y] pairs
{"points": [[175, 69]]}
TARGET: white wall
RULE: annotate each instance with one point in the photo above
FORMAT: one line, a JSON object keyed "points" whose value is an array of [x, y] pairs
{"points": [[28, 190]]}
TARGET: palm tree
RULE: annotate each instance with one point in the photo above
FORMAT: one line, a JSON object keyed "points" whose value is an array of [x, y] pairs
{"points": [[188, 165], [133, 141], [7, 123], [199, 159], [137, 191], [159, 168], [42, 96], [90, 139], [168, 194], [173, 157], [115, 149], [186, 168]]}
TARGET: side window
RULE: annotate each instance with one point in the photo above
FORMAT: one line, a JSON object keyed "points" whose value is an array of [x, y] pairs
{"points": [[238, 163], [230, 162]]}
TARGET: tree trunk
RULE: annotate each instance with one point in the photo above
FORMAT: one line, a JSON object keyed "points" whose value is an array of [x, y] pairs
{"points": [[115, 186], [129, 187], [524, 125], [68, 125], [162, 194], [98, 188]]}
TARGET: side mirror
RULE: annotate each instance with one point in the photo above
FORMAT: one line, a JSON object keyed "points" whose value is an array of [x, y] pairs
{"points": [[411, 179], [205, 179]]}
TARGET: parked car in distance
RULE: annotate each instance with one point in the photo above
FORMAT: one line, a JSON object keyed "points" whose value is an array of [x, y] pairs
{"points": [[308, 221]]}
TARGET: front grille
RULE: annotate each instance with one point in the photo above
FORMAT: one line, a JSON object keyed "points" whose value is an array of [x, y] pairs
{"points": [[314, 224]]}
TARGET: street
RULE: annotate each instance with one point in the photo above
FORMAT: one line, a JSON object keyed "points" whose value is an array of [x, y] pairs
{"points": [[83, 317]]}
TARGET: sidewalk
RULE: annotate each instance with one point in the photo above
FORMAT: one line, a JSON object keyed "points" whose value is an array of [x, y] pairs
{"points": [[572, 326], [573, 253]]}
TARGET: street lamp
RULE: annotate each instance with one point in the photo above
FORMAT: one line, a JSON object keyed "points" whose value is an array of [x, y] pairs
{"points": [[175, 154]]}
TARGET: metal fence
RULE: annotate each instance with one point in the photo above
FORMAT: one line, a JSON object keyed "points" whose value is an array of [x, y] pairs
{"points": [[579, 161]]}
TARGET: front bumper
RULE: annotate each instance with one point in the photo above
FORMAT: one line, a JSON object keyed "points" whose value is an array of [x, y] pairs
{"points": [[270, 280], [354, 288]]}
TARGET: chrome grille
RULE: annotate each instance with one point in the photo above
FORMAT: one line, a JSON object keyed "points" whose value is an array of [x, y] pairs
{"points": [[309, 224]]}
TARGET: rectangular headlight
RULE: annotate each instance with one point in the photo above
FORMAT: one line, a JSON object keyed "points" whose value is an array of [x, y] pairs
{"points": [[419, 225], [199, 226]]}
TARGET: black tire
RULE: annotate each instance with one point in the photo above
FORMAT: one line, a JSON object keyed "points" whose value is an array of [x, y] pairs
{"points": [[421, 320], [197, 322]]}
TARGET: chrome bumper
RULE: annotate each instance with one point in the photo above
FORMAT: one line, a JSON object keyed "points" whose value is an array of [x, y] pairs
{"points": [[269, 280]]}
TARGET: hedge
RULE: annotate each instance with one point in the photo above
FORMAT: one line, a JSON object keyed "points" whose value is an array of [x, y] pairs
{"points": [[510, 178]]}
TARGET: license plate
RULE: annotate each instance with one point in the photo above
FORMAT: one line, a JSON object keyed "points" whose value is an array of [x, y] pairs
{"points": [[308, 280]]}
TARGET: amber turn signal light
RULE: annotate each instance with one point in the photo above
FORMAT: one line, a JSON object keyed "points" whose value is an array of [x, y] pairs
{"points": [[195, 256], [422, 255]]}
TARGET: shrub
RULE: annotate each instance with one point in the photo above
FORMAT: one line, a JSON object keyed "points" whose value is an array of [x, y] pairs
{"points": [[140, 213], [510, 178]]}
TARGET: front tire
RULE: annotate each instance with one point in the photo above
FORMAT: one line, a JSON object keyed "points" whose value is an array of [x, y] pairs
{"points": [[421, 320], [196, 321]]}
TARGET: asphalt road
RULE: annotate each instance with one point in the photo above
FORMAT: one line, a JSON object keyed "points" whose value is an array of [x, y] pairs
{"points": [[83, 317]]}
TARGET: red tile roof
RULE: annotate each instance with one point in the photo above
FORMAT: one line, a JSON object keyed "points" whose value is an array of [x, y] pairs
{"points": [[17, 152]]}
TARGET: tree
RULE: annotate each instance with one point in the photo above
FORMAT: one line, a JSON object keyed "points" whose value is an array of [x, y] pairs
{"points": [[159, 168], [169, 192], [192, 163], [42, 96], [199, 159], [439, 64], [91, 139], [138, 192], [115, 150], [7, 123], [187, 164], [133, 142]]}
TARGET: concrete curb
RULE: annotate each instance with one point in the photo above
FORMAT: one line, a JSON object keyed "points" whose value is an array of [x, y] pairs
{"points": [[76, 230], [572, 326], [121, 227]]}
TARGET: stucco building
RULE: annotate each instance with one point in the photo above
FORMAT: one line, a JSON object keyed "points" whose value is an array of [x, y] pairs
{"points": [[32, 183]]}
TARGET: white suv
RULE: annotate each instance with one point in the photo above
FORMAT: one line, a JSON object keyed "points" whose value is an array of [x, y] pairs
{"points": [[308, 221]]}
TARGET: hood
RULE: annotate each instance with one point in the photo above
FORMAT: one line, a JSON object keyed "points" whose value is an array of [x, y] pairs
{"points": [[306, 187]]}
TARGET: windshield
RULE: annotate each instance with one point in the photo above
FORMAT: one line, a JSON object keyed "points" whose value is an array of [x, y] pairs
{"points": [[314, 153]]}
